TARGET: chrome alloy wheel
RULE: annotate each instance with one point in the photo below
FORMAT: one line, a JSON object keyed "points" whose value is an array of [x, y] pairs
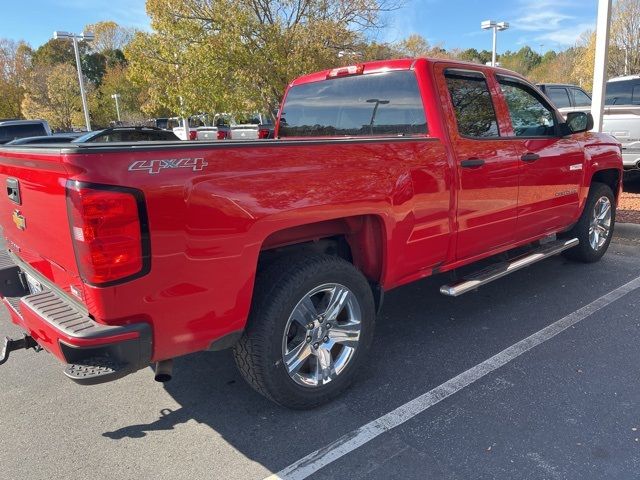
{"points": [[321, 335], [600, 225]]}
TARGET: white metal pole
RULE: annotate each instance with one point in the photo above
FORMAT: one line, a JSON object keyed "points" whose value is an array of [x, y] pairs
{"points": [[603, 26], [495, 46], [116, 96], [82, 92]]}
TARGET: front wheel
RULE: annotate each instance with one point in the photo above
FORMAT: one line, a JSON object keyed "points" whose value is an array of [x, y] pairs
{"points": [[595, 227], [309, 330]]}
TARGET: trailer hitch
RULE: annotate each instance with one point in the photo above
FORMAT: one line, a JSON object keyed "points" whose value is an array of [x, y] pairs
{"points": [[9, 345]]}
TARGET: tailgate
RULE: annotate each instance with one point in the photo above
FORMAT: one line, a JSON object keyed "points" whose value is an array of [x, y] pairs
{"points": [[244, 132], [33, 213]]}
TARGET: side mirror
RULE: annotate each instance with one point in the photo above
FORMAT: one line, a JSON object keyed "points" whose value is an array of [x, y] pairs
{"points": [[579, 122]]}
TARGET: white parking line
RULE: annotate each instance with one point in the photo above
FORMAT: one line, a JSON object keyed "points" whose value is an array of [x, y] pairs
{"points": [[356, 438]]}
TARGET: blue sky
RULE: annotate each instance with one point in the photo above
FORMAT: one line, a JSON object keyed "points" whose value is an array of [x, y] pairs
{"points": [[541, 24]]}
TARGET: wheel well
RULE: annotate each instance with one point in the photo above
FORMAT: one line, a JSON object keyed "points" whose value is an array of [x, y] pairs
{"points": [[359, 240], [608, 177]]}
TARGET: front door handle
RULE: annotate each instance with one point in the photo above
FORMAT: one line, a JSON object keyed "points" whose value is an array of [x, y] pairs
{"points": [[472, 163], [530, 157]]}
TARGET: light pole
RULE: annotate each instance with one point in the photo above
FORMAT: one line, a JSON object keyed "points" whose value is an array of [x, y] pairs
{"points": [[603, 30], [116, 97], [87, 37], [496, 27]]}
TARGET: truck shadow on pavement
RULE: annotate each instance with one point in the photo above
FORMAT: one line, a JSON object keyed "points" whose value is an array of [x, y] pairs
{"points": [[422, 339]]}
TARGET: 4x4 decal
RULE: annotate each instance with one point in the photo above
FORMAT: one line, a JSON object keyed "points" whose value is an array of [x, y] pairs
{"points": [[155, 166]]}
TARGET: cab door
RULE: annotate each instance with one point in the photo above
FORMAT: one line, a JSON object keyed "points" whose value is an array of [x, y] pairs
{"points": [[487, 169], [551, 164]]}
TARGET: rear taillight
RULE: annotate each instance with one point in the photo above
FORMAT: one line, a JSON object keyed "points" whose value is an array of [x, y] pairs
{"points": [[222, 135], [193, 134], [109, 232], [263, 133]]}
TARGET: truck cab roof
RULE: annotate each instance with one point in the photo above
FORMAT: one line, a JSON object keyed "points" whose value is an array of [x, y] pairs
{"points": [[380, 66]]}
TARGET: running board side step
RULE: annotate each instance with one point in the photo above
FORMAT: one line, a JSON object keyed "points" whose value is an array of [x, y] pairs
{"points": [[494, 272]]}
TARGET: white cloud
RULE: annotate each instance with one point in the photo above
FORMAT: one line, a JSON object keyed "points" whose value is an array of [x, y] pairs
{"points": [[554, 23], [566, 37]]}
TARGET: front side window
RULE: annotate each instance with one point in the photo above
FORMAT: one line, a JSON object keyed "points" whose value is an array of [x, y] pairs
{"points": [[559, 96], [580, 98], [472, 103], [530, 116], [363, 105]]}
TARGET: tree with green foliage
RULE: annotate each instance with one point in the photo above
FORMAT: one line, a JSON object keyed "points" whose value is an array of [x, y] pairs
{"points": [[102, 105], [15, 61], [109, 36], [94, 62], [472, 55], [522, 61], [52, 93], [224, 55]]}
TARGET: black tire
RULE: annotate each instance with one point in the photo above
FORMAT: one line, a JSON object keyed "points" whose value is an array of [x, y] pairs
{"points": [[279, 289], [584, 252]]}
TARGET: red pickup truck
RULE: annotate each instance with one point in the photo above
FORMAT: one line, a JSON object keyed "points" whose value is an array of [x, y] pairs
{"points": [[122, 255]]}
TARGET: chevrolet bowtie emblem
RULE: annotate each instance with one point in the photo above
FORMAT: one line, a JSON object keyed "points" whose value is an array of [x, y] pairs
{"points": [[19, 220]]}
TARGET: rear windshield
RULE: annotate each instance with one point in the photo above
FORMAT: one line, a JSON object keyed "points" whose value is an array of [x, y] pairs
{"points": [[11, 132], [365, 105]]}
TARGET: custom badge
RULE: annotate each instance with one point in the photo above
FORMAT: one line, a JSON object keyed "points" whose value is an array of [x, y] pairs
{"points": [[153, 167]]}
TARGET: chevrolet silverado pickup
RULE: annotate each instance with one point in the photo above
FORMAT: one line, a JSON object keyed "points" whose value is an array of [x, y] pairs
{"points": [[123, 255]]}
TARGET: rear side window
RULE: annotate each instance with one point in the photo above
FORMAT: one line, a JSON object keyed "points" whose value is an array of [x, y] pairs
{"points": [[364, 105], [559, 96], [580, 98], [622, 93], [472, 103], [11, 132]]}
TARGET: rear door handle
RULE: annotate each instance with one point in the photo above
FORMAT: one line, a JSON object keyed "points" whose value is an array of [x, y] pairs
{"points": [[472, 163], [530, 157]]}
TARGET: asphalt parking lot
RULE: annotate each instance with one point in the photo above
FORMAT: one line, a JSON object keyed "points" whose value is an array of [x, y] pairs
{"points": [[565, 409]]}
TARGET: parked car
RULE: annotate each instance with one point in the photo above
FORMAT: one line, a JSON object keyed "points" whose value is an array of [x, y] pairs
{"points": [[13, 129], [385, 173], [622, 117], [55, 138], [251, 127], [226, 127], [127, 134], [162, 123], [568, 98], [219, 129], [176, 124]]}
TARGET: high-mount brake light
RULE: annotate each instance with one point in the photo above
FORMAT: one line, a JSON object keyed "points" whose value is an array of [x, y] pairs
{"points": [[109, 232], [346, 71]]}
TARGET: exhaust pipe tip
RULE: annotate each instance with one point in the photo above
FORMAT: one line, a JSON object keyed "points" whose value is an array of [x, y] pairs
{"points": [[164, 371]]}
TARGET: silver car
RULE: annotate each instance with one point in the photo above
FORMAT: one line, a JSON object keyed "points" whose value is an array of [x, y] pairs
{"points": [[568, 98], [622, 117]]}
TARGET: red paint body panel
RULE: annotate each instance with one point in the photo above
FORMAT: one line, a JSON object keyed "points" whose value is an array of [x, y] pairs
{"points": [[403, 203]]}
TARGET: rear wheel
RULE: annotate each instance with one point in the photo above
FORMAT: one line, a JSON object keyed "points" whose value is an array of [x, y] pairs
{"points": [[310, 328], [595, 227]]}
